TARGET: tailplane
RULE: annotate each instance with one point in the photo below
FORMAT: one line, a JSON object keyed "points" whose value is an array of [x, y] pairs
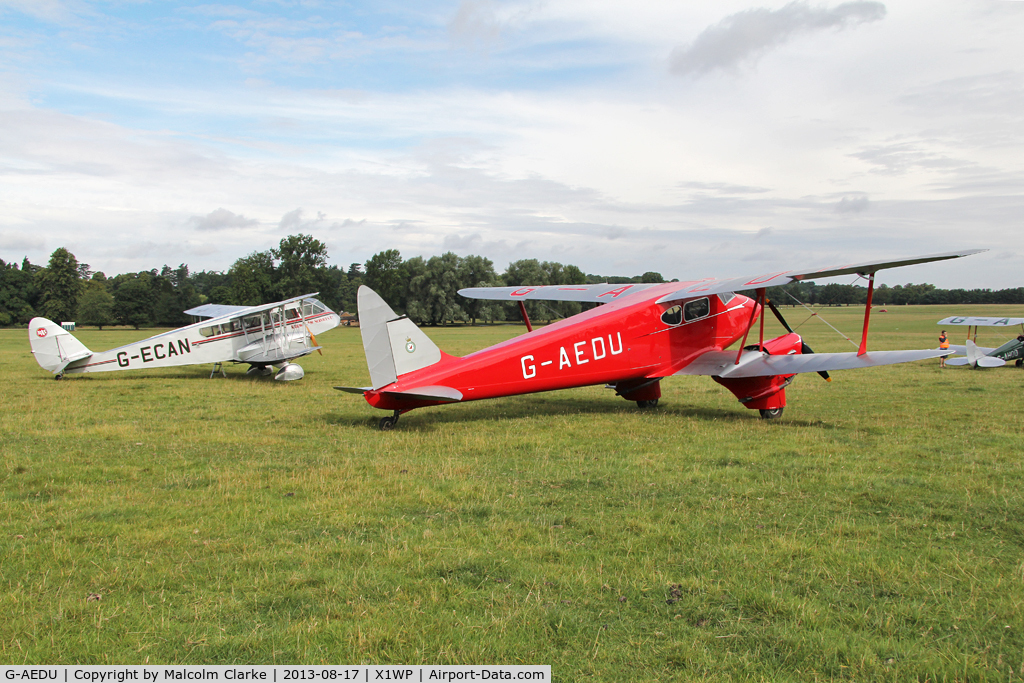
{"points": [[53, 346], [393, 344]]}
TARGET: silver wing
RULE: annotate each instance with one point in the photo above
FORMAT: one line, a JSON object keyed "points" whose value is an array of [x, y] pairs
{"points": [[601, 293], [757, 364], [604, 292], [980, 322]]}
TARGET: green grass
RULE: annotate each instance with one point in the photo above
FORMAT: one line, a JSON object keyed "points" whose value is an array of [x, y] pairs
{"points": [[875, 532]]}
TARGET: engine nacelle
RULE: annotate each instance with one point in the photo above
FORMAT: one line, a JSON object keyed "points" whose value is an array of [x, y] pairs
{"points": [[765, 393]]}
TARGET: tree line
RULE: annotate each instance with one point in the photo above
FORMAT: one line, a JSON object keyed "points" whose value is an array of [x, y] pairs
{"points": [[425, 289]]}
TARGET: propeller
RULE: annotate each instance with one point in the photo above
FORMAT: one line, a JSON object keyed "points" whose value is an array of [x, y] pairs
{"points": [[805, 347], [309, 331]]}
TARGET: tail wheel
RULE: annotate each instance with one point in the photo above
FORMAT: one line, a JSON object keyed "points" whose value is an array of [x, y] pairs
{"points": [[770, 413], [653, 403], [388, 423], [1020, 362]]}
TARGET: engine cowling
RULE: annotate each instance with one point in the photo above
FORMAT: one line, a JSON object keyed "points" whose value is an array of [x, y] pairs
{"points": [[765, 393]]}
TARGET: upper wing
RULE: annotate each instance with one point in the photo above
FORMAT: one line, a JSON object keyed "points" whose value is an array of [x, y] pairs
{"points": [[605, 292], [214, 310], [981, 322], [756, 364], [584, 293], [739, 284], [245, 311]]}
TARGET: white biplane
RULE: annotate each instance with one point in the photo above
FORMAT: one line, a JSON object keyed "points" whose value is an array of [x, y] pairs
{"points": [[271, 335], [980, 357]]}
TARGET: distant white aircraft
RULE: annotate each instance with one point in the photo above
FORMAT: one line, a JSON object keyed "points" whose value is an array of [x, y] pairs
{"points": [[980, 357], [262, 336]]}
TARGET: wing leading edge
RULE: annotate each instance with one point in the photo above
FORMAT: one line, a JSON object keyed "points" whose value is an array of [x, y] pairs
{"points": [[603, 293], [776, 279], [756, 364]]}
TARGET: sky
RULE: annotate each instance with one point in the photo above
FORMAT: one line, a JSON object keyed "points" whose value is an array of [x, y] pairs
{"points": [[695, 139]]}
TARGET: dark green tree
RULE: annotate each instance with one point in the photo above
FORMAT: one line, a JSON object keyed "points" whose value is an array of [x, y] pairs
{"points": [[96, 305], [302, 262], [133, 299], [384, 276], [436, 292], [59, 286], [477, 271], [252, 280]]}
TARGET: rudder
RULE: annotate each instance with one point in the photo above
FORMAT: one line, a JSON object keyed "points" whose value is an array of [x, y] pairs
{"points": [[392, 343]]}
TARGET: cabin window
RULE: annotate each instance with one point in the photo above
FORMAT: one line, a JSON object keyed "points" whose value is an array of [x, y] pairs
{"points": [[726, 297], [236, 324], [254, 322], [291, 313], [209, 331], [696, 309], [317, 309], [673, 316], [307, 310]]}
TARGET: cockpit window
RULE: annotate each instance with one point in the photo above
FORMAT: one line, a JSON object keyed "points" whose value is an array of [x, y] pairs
{"points": [[726, 297], [673, 316], [696, 309]]}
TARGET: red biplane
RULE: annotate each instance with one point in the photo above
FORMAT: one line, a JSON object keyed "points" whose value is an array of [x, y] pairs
{"points": [[641, 334]]}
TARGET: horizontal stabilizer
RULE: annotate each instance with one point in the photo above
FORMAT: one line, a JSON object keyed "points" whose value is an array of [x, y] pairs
{"points": [[434, 393], [756, 364], [355, 390]]}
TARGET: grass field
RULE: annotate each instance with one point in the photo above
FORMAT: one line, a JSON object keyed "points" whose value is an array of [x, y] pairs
{"points": [[874, 532]]}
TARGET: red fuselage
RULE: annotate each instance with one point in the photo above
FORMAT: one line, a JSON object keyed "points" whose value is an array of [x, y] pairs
{"points": [[632, 339]]}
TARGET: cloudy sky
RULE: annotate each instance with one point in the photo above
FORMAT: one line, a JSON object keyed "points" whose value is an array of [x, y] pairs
{"points": [[692, 138]]}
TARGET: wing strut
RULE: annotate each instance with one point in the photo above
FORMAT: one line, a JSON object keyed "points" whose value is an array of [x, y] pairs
{"points": [[526, 318], [753, 311], [867, 316]]}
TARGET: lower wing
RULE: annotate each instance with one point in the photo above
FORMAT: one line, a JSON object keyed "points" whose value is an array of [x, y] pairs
{"points": [[756, 364]]}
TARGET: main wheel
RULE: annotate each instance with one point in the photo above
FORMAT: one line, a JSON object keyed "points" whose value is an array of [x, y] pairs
{"points": [[653, 403], [770, 413], [386, 424]]}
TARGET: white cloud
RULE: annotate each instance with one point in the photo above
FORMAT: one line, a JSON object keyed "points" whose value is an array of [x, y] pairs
{"points": [[222, 219], [744, 37]]}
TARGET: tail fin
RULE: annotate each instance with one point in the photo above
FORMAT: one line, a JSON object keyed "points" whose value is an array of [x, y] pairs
{"points": [[53, 346], [977, 358], [393, 344]]}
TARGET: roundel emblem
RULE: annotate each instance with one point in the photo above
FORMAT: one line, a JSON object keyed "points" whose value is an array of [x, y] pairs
{"points": [[409, 345], [41, 332]]}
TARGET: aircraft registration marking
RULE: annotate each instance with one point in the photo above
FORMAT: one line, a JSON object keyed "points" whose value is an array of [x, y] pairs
{"points": [[528, 363]]}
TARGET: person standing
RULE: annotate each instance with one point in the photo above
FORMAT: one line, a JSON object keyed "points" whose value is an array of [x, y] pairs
{"points": [[944, 345]]}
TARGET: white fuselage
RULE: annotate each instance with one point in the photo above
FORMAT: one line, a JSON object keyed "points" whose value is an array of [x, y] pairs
{"points": [[267, 338]]}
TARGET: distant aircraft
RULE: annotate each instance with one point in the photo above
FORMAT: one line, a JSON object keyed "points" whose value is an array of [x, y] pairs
{"points": [[978, 357], [641, 334], [262, 336]]}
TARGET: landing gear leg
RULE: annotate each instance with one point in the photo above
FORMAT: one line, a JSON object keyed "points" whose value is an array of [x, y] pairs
{"points": [[386, 424], [770, 413], [216, 367]]}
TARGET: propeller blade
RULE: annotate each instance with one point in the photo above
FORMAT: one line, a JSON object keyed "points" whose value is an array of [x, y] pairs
{"points": [[806, 347], [779, 316]]}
